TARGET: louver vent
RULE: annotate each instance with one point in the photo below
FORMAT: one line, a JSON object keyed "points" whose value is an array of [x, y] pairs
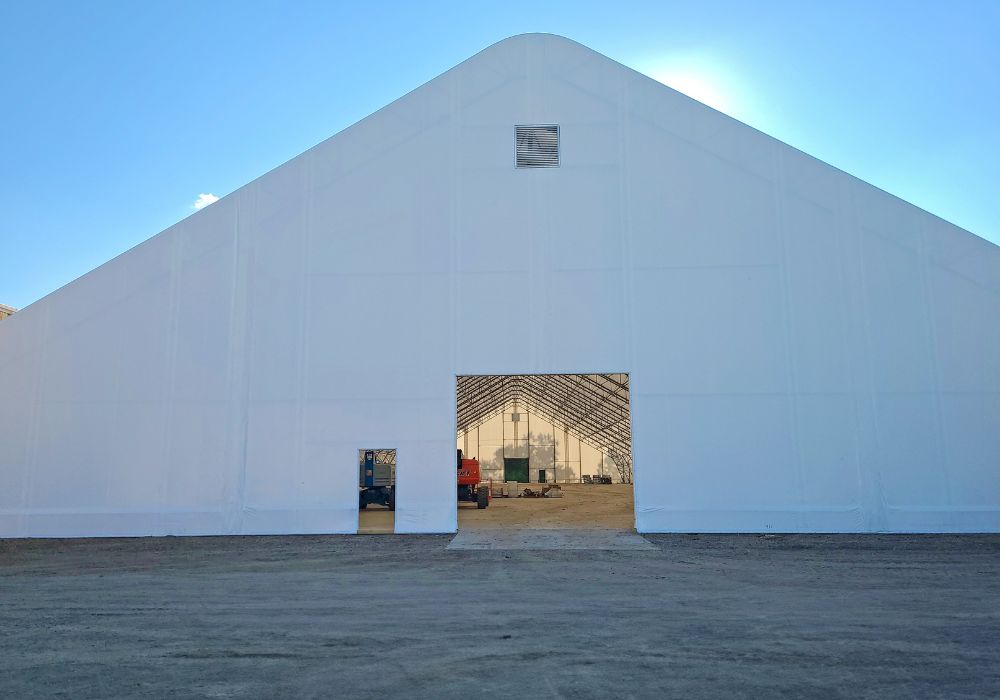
{"points": [[536, 146]]}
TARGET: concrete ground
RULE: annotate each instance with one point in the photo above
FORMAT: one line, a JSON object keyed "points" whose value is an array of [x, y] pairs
{"points": [[509, 539], [377, 617]]}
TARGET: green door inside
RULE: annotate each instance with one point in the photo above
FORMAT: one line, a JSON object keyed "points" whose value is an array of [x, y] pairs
{"points": [[515, 469]]}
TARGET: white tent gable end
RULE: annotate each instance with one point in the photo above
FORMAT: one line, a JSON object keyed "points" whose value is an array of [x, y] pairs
{"points": [[806, 353]]}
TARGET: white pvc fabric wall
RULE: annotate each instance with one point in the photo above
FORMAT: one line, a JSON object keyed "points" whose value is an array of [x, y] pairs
{"points": [[806, 352]]}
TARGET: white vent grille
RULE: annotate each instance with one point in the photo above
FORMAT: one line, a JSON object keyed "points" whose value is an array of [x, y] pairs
{"points": [[536, 146]]}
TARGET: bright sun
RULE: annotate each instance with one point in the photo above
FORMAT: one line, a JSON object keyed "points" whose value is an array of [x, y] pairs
{"points": [[695, 85], [700, 76]]}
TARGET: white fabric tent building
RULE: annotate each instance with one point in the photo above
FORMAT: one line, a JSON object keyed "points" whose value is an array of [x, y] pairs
{"points": [[806, 352]]}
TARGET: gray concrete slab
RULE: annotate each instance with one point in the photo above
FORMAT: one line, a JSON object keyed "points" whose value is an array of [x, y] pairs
{"points": [[552, 539], [388, 616]]}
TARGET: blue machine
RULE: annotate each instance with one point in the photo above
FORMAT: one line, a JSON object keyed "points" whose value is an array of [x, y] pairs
{"points": [[369, 469], [377, 478]]}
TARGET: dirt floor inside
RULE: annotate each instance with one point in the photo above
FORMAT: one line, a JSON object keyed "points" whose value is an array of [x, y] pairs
{"points": [[376, 520], [582, 506], [379, 617]]}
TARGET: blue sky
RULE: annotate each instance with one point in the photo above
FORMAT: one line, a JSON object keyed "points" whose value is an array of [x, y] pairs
{"points": [[117, 115]]}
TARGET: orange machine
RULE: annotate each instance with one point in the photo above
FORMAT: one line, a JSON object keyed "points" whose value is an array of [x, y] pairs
{"points": [[469, 488]]}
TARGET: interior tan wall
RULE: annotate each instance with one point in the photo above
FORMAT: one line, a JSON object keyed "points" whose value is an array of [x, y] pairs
{"points": [[563, 456]]}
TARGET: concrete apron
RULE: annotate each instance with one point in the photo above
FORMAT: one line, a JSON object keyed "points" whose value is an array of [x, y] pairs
{"points": [[535, 538]]}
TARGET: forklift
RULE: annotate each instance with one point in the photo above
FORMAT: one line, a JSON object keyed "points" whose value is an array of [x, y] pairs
{"points": [[469, 488]]}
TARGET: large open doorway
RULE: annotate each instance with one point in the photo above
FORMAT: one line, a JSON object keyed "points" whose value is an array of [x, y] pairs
{"points": [[554, 451]]}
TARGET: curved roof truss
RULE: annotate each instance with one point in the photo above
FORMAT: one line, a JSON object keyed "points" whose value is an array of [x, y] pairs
{"points": [[592, 407]]}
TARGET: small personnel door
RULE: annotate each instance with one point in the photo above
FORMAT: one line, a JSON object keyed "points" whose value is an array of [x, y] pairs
{"points": [[515, 469]]}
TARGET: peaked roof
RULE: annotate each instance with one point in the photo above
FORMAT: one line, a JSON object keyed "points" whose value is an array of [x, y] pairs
{"points": [[593, 407], [500, 52]]}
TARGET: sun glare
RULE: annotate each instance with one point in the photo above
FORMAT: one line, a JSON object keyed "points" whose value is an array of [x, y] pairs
{"points": [[697, 86], [696, 77]]}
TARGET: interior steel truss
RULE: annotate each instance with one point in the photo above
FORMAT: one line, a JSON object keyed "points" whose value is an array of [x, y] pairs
{"points": [[382, 456], [592, 407]]}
